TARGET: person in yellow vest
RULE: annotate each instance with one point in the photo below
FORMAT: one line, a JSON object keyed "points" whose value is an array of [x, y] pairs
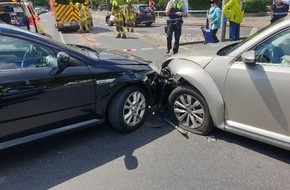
{"points": [[83, 18], [129, 13], [119, 19], [234, 12], [175, 9]]}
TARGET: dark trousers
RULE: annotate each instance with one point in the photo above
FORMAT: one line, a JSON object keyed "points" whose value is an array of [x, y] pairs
{"points": [[173, 27], [214, 37], [234, 31], [276, 17]]}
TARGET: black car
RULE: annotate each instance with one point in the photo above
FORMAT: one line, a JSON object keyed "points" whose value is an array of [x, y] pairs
{"points": [[47, 87], [144, 15]]}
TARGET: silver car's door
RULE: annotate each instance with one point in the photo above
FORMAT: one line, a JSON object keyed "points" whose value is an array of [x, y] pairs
{"points": [[257, 97]]}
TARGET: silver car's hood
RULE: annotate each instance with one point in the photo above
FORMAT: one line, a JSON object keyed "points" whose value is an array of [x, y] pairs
{"points": [[200, 54]]}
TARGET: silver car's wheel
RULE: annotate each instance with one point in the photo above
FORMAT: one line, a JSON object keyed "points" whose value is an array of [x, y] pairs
{"points": [[190, 110], [128, 109]]}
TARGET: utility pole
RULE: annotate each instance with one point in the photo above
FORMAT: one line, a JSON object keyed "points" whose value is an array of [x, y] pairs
{"points": [[223, 25]]}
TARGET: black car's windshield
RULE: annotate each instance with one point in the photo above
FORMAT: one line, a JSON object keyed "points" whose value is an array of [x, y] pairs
{"points": [[228, 49]]}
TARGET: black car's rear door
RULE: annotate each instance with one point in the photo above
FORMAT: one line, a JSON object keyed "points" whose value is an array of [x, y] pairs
{"points": [[33, 98]]}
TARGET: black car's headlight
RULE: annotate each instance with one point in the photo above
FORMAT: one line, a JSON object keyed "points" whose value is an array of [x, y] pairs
{"points": [[155, 67]]}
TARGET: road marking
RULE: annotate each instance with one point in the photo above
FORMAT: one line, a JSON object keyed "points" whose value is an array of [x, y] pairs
{"points": [[129, 49], [149, 48], [61, 37], [152, 48], [253, 30]]}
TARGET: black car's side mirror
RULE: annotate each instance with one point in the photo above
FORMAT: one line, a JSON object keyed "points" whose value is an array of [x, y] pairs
{"points": [[249, 57], [62, 60], [62, 63]]}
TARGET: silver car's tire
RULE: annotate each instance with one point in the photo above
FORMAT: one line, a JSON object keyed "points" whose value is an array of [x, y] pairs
{"points": [[189, 110], [128, 109]]}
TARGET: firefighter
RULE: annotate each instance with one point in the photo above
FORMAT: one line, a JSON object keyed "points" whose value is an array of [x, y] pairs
{"points": [[119, 19], [83, 18], [129, 13]]}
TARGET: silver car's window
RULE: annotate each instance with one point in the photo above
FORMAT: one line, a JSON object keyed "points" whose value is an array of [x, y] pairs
{"points": [[17, 53], [228, 49], [275, 50]]}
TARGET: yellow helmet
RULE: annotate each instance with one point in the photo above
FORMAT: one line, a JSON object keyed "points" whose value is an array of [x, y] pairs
{"points": [[77, 4], [114, 3]]}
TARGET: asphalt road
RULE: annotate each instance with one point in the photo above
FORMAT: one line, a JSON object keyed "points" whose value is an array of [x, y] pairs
{"points": [[156, 156]]}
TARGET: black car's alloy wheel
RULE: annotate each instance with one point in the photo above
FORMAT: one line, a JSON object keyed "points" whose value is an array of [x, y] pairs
{"points": [[128, 109], [190, 110]]}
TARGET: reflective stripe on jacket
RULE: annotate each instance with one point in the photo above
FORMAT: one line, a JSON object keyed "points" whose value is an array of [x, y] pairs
{"points": [[118, 13], [129, 12]]}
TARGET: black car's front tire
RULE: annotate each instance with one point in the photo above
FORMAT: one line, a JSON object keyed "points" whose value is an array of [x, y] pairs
{"points": [[128, 109], [189, 110]]}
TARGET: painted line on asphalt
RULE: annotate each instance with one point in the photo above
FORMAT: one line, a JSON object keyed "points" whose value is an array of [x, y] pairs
{"points": [[151, 48], [253, 30], [61, 37], [129, 49]]}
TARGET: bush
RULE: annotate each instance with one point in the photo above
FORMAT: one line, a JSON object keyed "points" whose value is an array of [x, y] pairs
{"points": [[250, 6], [255, 6]]}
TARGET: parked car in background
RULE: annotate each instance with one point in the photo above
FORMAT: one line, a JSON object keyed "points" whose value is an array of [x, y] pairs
{"points": [[103, 7], [240, 88], [144, 15], [41, 10], [20, 14], [47, 87]]}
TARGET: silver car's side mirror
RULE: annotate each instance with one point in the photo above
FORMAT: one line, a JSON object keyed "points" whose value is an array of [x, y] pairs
{"points": [[249, 57]]}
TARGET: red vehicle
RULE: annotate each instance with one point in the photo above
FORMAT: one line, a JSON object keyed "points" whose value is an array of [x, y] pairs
{"points": [[21, 14]]}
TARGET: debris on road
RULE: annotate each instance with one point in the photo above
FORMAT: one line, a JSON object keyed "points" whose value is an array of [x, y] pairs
{"points": [[179, 129], [211, 139]]}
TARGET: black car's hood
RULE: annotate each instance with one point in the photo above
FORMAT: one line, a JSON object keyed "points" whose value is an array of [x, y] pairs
{"points": [[111, 56], [121, 58]]}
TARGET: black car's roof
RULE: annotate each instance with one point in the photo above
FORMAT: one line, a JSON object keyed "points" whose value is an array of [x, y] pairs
{"points": [[15, 31], [9, 29]]}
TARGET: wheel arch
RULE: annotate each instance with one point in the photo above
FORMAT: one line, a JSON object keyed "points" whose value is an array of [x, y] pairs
{"points": [[127, 85], [184, 70]]}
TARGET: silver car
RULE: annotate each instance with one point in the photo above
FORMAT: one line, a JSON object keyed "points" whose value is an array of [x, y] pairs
{"points": [[241, 87]]}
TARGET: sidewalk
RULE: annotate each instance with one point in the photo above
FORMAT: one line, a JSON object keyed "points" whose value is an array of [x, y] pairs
{"points": [[250, 21], [257, 22]]}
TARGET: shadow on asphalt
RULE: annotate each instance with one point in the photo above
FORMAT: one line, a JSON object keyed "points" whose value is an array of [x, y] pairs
{"points": [[263, 148], [52, 161], [94, 30]]}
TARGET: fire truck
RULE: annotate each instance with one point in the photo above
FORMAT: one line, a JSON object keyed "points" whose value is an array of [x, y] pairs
{"points": [[66, 14]]}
